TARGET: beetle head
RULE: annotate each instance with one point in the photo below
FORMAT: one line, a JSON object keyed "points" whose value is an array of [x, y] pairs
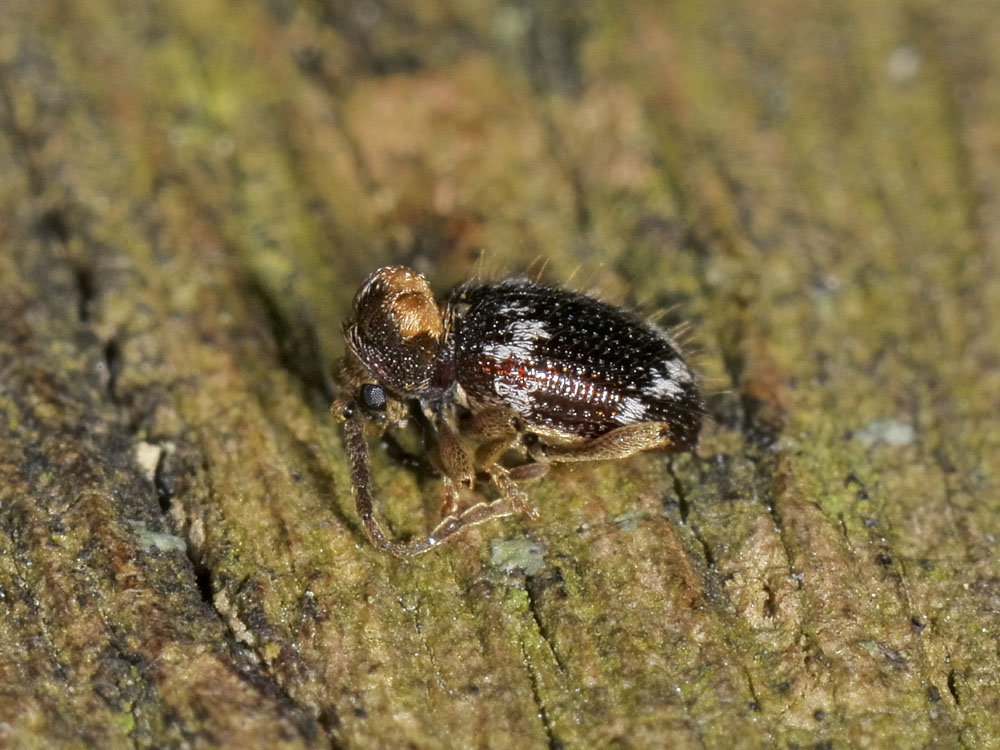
{"points": [[396, 329]]}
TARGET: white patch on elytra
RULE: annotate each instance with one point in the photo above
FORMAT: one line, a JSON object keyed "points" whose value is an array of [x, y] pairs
{"points": [[665, 388], [669, 386], [523, 335], [515, 309], [630, 411], [677, 370]]}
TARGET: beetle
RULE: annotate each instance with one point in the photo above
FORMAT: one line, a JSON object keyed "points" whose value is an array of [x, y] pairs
{"points": [[509, 363]]}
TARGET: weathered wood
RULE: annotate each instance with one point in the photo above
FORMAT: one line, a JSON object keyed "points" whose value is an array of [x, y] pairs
{"points": [[190, 193]]}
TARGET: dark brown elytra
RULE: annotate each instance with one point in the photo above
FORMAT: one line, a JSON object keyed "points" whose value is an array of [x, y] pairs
{"points": [[557, 374]]}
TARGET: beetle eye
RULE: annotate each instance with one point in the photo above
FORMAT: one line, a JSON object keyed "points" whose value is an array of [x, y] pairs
{"points": [[373, 397]]}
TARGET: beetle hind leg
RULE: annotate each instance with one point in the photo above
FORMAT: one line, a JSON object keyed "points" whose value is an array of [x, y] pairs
{"points": [[620, 442]]}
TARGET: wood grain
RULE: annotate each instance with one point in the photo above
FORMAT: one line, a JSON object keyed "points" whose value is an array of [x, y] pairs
{"points": [[190, 193]]}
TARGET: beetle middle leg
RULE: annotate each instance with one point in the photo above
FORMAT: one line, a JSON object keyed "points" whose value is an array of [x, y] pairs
{"points": [[459, 472], [497, 428]]}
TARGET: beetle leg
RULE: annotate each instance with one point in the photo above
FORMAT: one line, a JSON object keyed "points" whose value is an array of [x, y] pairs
{"points": [[361, 479], [454, 457], [527, 472], [510, 502], [497, 428], [515, 499], [619, 443], [450, 504]]}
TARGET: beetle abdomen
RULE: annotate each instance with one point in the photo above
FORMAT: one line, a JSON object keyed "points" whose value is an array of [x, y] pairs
{"points": [[569, 364]]}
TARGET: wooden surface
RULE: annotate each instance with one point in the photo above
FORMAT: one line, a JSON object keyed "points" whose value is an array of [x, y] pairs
{"points": [[190, 193]]}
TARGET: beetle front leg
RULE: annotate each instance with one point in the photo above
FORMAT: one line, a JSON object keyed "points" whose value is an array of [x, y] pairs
{"points": [[357, 452], [457, 466]]}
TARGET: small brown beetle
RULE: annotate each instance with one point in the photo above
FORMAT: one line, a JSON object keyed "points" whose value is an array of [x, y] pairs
{"points": [[562, 375]]}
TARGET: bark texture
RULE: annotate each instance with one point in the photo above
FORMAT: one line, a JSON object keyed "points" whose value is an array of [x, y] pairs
{"points": [[190, 193]]}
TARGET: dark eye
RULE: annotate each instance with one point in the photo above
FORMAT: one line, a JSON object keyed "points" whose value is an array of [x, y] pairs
{"points": [[373, 397]]}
